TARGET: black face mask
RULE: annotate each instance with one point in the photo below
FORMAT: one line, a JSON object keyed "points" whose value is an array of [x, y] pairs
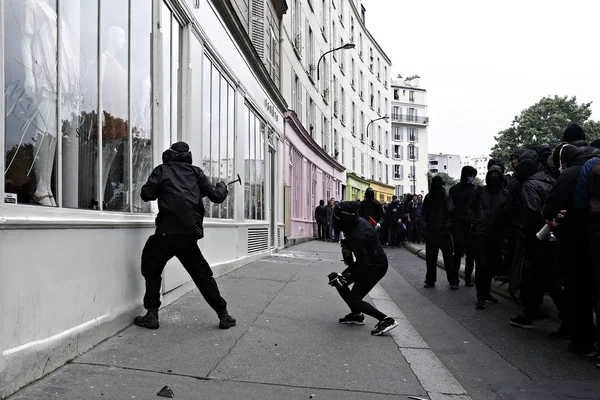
{"points": [[495, 181]]}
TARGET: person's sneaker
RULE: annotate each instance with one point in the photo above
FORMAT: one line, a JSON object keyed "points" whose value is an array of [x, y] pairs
{"points": [[469, 283], [590, 351], [562, 333], [226, 321], [454, 286], [480, 305], [491, 299], [353, 319], [429, 285], [521, 322], [384, 326], [149, 321]]}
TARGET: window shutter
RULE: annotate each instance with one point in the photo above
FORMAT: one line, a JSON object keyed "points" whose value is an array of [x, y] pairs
{"points": [[417, 153], [416, 135], [257, 26]]}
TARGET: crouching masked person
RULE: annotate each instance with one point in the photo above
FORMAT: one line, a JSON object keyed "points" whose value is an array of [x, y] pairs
{"points": [[179, 187], [367, 264]]}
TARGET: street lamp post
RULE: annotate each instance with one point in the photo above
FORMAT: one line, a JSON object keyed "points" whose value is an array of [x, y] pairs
{"points": [[347, 46], [369, 144], [413, 173]]}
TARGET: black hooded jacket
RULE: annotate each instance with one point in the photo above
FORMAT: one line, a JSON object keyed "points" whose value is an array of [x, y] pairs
{"points": [[562, 193], [535, 186], [486, 208], [180, 187], [371, 207], [461, 193], [438, 208]]}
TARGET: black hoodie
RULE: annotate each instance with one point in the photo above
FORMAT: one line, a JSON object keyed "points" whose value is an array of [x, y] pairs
{"points": [[180, 187], [461, 193], [535, 186], [438, 208], [485, 209]]}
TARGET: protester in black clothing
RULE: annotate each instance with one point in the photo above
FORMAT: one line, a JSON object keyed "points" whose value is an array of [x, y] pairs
{"points": [[368, 264], [394, 219], [538, 272], [371, 207], [575, 248], [419, 221], [437, 210], [463, 241], [485, 215], [179, 187], [320, 217]]}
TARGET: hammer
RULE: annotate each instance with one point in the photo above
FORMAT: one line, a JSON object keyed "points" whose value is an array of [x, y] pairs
{"points": [[237, 180]]}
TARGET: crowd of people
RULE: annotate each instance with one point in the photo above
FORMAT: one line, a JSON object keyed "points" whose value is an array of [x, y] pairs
{"points": [[534, 226]]}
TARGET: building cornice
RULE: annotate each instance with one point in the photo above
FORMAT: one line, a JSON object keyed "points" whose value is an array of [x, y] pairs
{"points": [[292, 119], [358, 18], [281, 7], [356, 177], [385, 185], [234, 24], [408, 87]]}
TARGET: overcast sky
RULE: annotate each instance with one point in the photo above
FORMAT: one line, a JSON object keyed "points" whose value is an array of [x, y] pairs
{"points": [[482, 62]]}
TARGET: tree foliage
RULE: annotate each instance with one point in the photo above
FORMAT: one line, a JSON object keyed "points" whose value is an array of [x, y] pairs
{"points": [[545, 122]]}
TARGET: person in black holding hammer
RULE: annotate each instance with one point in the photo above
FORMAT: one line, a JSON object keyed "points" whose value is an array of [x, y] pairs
{"points": [[179, 187]]}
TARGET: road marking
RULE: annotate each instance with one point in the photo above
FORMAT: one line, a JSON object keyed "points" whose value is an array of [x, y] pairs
{"points": [[433, 375]]}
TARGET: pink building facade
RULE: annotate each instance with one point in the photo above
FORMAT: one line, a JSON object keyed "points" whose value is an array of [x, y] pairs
{"points": [[310, 175]]}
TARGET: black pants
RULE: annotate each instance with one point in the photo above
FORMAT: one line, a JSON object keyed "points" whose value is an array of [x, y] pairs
{"points": [[365, 279], [419, 230], [487, 257], [436, 242], [397, 235], [579, 286], [159, 249], [322, 230], [541, 277], [463, 246]]}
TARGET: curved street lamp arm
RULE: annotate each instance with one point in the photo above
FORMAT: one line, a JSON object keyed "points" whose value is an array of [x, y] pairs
{"points": [[324, 54]]}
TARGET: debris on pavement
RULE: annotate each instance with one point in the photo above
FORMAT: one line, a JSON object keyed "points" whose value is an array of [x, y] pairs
{"points": [[166, 392]]}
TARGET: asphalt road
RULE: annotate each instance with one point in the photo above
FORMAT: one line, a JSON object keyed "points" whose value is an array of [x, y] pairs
{"points": [[491, 359]]}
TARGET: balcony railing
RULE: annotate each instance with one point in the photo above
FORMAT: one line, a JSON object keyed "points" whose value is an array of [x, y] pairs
{"points": [[409, 118]]}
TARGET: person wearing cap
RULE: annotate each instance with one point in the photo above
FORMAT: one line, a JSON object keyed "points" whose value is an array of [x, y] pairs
{"points": [[179, 188], [367, 265]]}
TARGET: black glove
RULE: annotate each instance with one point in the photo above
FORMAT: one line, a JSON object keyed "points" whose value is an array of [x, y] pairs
{"points": [[339, 280]]}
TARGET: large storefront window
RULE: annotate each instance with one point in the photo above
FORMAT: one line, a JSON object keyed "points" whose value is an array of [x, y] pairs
{"points": [[60, 85], [254, 165], [218, 136]]}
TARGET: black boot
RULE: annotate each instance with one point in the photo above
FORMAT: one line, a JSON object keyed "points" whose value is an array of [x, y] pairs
{"points": [[226, 321], [150, 320]]}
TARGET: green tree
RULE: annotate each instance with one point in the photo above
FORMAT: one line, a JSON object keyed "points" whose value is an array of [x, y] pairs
{"points": [[545, 122]]}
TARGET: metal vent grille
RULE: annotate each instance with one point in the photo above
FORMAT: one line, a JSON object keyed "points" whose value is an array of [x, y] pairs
{"points": [[258, 240], [279, 244]]}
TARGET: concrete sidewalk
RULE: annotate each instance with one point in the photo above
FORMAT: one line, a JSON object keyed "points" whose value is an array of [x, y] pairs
{"points": [[287, 345]]}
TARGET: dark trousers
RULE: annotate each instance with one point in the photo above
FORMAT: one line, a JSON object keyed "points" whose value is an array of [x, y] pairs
{"points": [[540, 277], [419, 230], [384, 233], [487, 256], [321, 230], [463, 246], [396, 234], [436, 242], [364, 281], [595, 240], [409, 232], [159, 249], [579, 286]]}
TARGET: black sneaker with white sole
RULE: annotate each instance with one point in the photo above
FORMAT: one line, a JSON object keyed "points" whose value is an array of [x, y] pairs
{"points": [[384, 326], [226, 321], [353, 319]]}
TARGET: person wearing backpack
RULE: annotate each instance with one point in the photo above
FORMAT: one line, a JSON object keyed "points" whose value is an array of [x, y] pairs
{"points": [[438, 214]]}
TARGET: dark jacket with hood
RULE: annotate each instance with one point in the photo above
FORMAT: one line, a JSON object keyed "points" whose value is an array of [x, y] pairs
{"points": [[535, 186], [438, 208], [486, 207], [321, 213], [371, 207], [561, 196], [180, 187], [461, 193], [394, 212]]}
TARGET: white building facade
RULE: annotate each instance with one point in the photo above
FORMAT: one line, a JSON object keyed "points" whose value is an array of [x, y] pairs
{"points": [[409, 146], [477, 161], [445, 163], [335, 97], [144, 73]]}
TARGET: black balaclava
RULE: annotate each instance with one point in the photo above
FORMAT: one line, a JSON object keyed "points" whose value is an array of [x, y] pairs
{"points": [[467, 172], [494, 177], [526, 168], [573, 133], [345, 215], [322, 203], [437, 184], [369, 194], [178, 152]]}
